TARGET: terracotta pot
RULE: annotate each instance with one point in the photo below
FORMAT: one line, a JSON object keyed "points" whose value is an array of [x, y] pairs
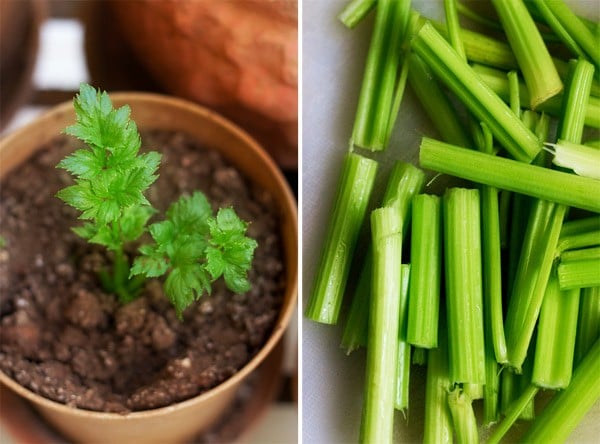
{"points": [[19, 34], [239, 57], [183, 420]]}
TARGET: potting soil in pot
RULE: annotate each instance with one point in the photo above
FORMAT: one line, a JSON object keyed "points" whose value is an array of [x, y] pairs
{"points": [[63, 337]]}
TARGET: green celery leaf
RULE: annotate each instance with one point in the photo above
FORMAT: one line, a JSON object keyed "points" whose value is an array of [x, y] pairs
{"points": [[84, 164], [185, 284], [236, 279], [153, 265], [79, 196], [190, 214], [105, 236], [86, 231], [163, 233], [134, 220]]}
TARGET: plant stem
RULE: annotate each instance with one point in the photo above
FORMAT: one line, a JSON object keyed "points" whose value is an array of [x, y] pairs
{"points": [[355, 11], [354, 190], [588, 324], [453, 26], [463, 417], [577, 274], [512, 414], [404, 348]]}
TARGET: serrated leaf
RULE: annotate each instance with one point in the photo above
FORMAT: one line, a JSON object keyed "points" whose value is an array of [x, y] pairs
{"points": [[85, 164], [150, 266], [215, 264], [184, 285], [191, 213], [162, 232], [86, 231], [133, 221], [105, 236], [236, 280], [79, 196]]}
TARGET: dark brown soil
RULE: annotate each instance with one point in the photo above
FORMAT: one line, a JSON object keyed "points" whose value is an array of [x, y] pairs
{"points": [[66, 339]]}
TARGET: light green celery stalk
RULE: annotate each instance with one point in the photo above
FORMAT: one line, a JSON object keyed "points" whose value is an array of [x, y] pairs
{"points": [[378, 411], [453, 26], [566, 409], [419, 356], [579, 240], [496, 80], [426, 261], [404, 182], [512, 414], [462, 243], [579, 226], [355, 11], [404, 348], [581, 254], [588, 324], [533, 57], [582, 159], [354, 190], [508, 130], [463, 417], [375, 102], [556, 337], [582, 273]]}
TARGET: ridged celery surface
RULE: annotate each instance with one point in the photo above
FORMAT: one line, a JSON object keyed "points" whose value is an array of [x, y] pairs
{"points": [[355, 11], [588, 324], [404, 348]]}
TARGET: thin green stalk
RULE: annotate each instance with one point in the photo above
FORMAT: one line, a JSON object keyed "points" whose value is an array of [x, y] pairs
{"points": [[508, 130], [579, 240], [491, 389], [378, 412], [404, 348], [354, 190], [419, 356], [426, 255], [453, 25], [534, 60], [556, 337], [404, 182], [566, 409], [577, 274], [579, 226], [462, 242], [398, 95], [512, 414], [588, 324], [575, 101], [543, 183], [580, 255], [463, 417], [355, 11]]}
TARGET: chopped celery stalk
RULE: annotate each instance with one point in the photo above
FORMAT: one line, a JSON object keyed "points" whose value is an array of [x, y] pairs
{"points": [[497, 81], [509, 386], [355, 11], [535, 264], [477, 17], [580, 226], [462, 244], [473, 391], [556, 331], [453, 25], [438, 420], [491, 389], [588, 324], [435, 102], [510, 132], [463, 417], [403, 366], [579, 240], [575, 101], [356, 184], [378, 411], [426, 254], [531, 52], [419, 356], [512, 414], [404, 182], [566, 409], [579, 273], [513, 97], [543, 183], [583, 160], [581, 254], [398, 94]]}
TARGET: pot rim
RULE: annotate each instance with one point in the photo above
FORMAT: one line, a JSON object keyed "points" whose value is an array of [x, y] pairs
{"points": [[289, 207]]}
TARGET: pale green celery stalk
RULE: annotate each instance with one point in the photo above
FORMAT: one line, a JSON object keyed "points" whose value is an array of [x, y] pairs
{"points": [[579, 240], [473, 391], [378, 411], [463, 417], [581, 254], [582, 159], [354, 190], [566, 409], [497, 81], [379, 80], [426, 261], [438, 420], [419, 356], [453, 25], [576, 29], [535, 181], [508, 130], [555, 344], [509, 386], [398, 95], [575, 101], [436, 103], [491, 389], [404, 182], [477, 17], [577, 274], [513, 97], [355, 11], [512, 414], [578, 226], [462, 243], [524, 381], [534, 60], [404, 348], [588, 324]]}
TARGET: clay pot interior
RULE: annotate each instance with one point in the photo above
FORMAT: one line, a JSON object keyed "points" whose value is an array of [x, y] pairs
{"points": [[186, 418]]}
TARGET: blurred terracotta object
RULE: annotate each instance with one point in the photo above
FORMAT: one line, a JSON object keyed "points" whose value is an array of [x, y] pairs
{"points": [[20, 22], [239, 57]]}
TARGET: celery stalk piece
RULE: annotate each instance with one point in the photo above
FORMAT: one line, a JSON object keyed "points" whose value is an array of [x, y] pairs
{"points": [[583, 160], [398, 95], [453, 24], [509, 386], [379, 80], [555, 345], [419, 356], [575, 101], [355, 11], [438, 420], [543, 183], [510, 132], [579, 226], [404, 182], [566, 409], [436, 103], [580, 255], [404, 348], [579, 274], [513, 94], [462, 244], [579, 240], [426, 261], [588, 324], [378, 410], [512, 414], [593, 143], [463, 417], [496, 80], [356, 184], [533, 57], [473, 391], [491, 389]]}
